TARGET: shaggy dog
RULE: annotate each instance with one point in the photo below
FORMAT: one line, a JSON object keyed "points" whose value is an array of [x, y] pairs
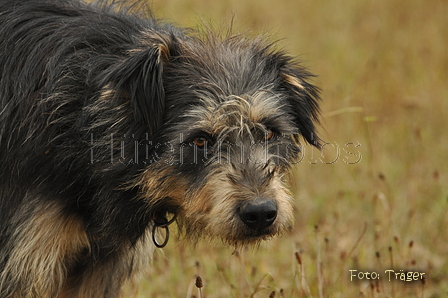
{"points": [[113, 126]]}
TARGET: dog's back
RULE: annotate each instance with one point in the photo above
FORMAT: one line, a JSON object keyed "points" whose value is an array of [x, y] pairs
{"points": [[51, 54]]}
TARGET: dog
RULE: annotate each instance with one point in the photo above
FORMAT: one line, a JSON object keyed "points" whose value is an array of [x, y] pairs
{"points": [[115, 125]]}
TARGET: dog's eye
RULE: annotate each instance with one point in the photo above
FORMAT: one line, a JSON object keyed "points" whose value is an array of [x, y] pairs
{"points": [[269, 134], [200, 142]]}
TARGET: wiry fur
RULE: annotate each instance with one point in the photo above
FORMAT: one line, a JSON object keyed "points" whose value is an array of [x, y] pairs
{"points": [[99, 114]]}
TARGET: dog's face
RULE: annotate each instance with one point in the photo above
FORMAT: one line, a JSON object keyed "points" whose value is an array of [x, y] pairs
{"points": [[233, 113], [235, 153]]}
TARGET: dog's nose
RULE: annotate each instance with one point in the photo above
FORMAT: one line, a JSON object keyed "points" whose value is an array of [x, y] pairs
{"points": [[258, 214]]}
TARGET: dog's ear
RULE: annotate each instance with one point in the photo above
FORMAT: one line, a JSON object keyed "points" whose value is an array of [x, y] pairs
{"points": [[303, 98], [139, 78]]}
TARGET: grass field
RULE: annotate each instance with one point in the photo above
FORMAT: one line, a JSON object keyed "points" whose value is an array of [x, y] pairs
{"points": [[376, 198]]}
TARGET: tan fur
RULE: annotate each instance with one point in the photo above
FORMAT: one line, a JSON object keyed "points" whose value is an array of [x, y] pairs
{"points": [[44, 248], [157, 185], [292, 80], [237, 112], [213, 208], [108, 92], [127, 270], [156, 39]]}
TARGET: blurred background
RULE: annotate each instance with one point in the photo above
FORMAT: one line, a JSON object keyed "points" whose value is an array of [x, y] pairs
{"points": [[376, 197]]}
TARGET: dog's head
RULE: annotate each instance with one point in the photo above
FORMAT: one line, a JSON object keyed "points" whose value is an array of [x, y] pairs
{"points": [[226, 118]]}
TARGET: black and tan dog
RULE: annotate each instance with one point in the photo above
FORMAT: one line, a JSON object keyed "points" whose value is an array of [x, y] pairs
{"points": [[112, 126]]}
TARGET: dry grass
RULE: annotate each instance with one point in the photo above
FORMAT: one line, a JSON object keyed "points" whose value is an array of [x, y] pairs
{"points": [[383, 68]]}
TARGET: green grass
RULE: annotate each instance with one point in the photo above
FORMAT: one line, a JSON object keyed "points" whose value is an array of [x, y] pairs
{"points": [[383, 70]]}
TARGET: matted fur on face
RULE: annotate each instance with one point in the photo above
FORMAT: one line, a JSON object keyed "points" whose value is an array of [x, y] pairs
{"points": [[236, 110]]}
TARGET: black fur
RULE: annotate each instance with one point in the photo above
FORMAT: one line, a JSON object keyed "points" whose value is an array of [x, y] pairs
{"points": [[63, 141]]}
